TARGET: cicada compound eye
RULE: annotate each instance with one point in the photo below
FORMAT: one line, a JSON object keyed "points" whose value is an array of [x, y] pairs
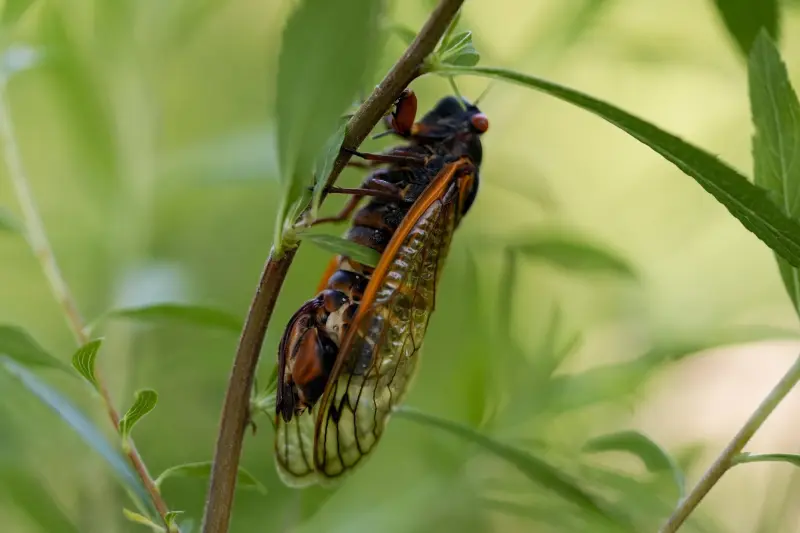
{"points": [[480, 122]]}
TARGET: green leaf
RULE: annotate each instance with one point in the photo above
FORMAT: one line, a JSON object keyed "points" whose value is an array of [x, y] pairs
{"points": [[341, 246], [534, 468], [170, 517], [82, 426], [447, 37], [460, 51], [749, 203], [327, 53], [145, 401], [84, 358], [790, 458], [197, 315], [745, 18], [202, 470], [776, 143], [8, 222], [654, 457], [324, 166], [573, 253], [17, 344], [137, 518]]}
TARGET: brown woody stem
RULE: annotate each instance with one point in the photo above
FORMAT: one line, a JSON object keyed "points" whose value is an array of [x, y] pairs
{"points": [[734, 447], [235, 410]]}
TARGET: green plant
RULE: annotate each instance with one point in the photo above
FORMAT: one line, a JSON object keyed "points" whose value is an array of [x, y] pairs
{"points": [[561, 490]]}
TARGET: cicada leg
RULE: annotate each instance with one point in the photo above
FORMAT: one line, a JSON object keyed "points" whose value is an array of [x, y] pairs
{"points": [[371, 186], [396, 159]]}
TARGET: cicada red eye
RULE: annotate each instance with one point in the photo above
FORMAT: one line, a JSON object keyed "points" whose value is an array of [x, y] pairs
{"points": [[480, 122]]}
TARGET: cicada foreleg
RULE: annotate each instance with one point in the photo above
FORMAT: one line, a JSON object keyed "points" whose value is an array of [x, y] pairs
{"points": [[371, 186]]}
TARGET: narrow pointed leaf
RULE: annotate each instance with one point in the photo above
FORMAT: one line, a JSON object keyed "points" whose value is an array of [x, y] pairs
{"points": [[140, 519], [534, 468], [776, 143], [791, 458], [338, 245], [654, 457], [745, 18], [145, 401], [197, 315], [201, 470], [84, 360], [749, 203], [81, 425], [17, 344]]}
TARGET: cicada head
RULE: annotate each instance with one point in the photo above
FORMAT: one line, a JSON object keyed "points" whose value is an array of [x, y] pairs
{"points": [[454, 125]]}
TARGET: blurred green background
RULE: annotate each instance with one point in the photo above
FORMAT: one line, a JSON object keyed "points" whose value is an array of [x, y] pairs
{"points": [[148, 138]]}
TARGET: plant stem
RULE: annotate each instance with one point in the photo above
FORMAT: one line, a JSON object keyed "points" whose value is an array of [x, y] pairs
{"points": [[734, 447], [37, 240], [235, 410]]}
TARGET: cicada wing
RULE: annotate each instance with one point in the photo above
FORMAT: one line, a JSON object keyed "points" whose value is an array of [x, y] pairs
{"points": [[294, 449], [379, 356]]}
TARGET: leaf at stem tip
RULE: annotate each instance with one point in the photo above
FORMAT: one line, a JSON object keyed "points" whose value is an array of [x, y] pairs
{"points": [[197, 315], [84, 360], [654, 457], [144, 402], [534, 468], [748, 203], [744, 19], [341, 246], [82, 426], [137, 518], [776, 143], [202, 470], [790, 458], [18, 344]]}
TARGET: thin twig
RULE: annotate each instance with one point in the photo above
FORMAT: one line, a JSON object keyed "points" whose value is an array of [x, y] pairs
{"points": [[37, 240], [734, 447], [235, 411]]}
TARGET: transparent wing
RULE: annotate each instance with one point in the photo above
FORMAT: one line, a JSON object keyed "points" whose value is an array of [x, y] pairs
{"points": [[294, 449], [380, 353]]}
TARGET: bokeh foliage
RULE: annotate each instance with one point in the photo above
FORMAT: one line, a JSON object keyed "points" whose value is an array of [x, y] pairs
{"points": [[148, 130]]}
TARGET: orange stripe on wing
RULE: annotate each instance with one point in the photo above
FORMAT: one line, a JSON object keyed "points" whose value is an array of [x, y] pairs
{"points": [[434, 192]]}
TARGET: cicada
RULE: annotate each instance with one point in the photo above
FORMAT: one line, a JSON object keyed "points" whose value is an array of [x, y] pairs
{"points": [[348, 355]]}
